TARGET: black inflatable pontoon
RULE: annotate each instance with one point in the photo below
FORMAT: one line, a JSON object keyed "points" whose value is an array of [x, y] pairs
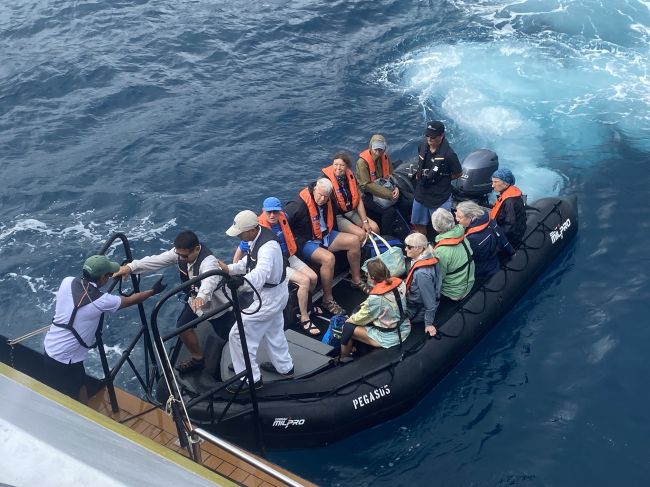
{"points": [[326, 401]]}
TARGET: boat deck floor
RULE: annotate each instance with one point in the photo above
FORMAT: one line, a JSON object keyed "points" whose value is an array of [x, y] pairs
{"points": [[155, 424]]}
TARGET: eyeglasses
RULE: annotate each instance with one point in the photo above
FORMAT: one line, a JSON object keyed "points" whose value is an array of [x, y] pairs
{"points": [[409, 247], [183, 255]]}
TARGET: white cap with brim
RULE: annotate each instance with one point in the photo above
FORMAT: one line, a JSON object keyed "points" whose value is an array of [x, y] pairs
{"points": [[244, 221]]}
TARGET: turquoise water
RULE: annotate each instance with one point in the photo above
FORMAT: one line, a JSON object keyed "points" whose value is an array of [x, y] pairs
{"points": [[151, 117]]}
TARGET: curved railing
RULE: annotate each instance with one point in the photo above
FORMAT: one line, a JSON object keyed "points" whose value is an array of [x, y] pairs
{"points": [[176, 403]]}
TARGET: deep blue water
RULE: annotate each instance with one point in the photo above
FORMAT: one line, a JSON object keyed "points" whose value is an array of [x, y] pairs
{"points": [[151, 117]]}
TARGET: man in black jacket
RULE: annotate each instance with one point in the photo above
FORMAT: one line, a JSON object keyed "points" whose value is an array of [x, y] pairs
{"points": [[312, 219], [438, 166]]}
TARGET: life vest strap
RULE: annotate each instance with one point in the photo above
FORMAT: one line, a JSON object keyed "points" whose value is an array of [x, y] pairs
{"points": [[83, 293]]}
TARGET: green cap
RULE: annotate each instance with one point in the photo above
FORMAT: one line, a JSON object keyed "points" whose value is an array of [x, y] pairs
{"points": [[99, 265]]}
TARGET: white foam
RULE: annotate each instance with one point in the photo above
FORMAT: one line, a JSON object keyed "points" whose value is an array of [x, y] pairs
{"points": [[527, 94]]}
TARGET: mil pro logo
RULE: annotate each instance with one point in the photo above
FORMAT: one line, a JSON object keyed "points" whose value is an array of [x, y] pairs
{"points": [[286, 422], [558, 233]]}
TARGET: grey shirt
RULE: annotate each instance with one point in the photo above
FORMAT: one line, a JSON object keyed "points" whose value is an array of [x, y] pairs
{"points": [[424, 294]]}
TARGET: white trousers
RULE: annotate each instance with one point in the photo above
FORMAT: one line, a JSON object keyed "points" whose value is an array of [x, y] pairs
{"points": [[262, 329]]}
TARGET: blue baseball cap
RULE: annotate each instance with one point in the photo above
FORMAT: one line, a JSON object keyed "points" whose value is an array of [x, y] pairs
{"points": [[271, 204]]}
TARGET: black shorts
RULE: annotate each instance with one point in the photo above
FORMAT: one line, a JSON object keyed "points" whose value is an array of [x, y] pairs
{"points": [[65, 378]]}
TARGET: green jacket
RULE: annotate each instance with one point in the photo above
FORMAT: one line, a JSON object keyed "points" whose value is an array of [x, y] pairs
{"points": [[455, 285]]}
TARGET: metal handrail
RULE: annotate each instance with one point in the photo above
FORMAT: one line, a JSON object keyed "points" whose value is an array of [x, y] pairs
{"points": [[239, 453], [176, 396]]}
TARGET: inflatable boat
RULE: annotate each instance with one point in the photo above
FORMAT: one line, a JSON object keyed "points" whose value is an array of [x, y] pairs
{"points": [[327, 400]]}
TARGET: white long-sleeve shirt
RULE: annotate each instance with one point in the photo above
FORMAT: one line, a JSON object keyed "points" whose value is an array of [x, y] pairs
{"points": [[208, 290]]}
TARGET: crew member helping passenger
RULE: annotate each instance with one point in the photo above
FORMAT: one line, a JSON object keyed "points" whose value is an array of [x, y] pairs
{"points": [[509, 210], [381, 320], [74, 325], [264, 268], [192, 258]]}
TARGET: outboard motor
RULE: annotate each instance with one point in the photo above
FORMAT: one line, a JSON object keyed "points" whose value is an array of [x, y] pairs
{"points": [[476, 181]]}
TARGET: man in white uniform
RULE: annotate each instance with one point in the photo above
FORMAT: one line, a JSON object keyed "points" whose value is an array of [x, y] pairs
{"points": [[264, 267], [79, 307], [193, 258]]}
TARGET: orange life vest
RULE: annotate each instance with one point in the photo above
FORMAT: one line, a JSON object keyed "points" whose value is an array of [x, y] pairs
{"points": [[477, 229], [314, 214], [286, 230], [352, 184], [383, 288], [385, 167], [418, 264], [456, 241], [511, 191], [449, 241]]}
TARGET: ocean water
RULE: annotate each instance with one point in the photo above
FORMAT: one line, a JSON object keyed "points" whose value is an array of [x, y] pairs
{"points": [[152, 117]]}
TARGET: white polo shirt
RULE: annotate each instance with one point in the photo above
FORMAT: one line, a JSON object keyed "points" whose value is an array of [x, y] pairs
{"points": [[61, 344]]}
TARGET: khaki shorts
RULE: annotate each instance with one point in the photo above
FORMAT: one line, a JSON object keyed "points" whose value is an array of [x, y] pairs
{"points": [[344, 223], [295, 264]]}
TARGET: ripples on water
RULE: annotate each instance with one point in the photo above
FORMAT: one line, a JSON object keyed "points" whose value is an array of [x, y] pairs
{"points": [[150, 117]]}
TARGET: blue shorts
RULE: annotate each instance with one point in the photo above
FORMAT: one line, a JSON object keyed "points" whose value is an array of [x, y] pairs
{"points": [[311, 245], [421, 215]]}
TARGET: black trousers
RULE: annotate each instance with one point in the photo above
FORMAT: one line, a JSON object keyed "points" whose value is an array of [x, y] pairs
{"points": [[65, 378], [220, 325], [385, 217]]}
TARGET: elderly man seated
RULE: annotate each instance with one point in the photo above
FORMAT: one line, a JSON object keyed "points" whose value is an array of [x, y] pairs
{"points": [[312, 218], [509, 210], [485, 237], [423, 283], [455, 255]]}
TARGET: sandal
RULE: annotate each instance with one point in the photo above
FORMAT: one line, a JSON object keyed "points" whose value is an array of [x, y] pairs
{"points": [[190, 365], [333, 307], [310, 328], [361, 286]]}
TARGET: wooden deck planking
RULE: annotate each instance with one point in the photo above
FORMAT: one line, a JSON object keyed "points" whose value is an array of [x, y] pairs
{"points": [[156, 425]]}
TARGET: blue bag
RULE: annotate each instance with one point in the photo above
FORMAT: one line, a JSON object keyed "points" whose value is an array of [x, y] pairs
{"points": [[332, 336]]}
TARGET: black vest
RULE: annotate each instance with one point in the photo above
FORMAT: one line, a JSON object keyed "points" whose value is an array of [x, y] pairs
{"points": [[184, 273], [266, 235], [83, 293]]}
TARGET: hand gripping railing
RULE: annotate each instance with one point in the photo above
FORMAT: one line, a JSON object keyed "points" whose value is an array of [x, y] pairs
{"points": [[181, 418], [151, 367]]}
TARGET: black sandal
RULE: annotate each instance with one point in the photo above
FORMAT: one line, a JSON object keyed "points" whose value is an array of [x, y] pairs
{"points": [[310, 328], [190, 365]]}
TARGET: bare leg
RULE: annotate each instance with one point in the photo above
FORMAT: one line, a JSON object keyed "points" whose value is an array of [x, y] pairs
{"points": [[303, 282], [361, 334], [326, 260], [346, 241]]}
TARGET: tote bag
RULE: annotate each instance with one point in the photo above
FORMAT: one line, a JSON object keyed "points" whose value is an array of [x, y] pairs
{"points": [[393, 258]]}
